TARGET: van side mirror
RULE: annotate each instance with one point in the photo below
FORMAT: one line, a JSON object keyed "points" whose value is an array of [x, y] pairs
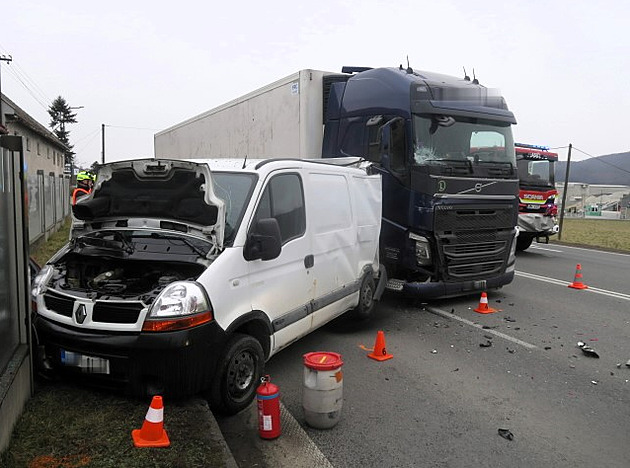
{"points": [[264, 241]]}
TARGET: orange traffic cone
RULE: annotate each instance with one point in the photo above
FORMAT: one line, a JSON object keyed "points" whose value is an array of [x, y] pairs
{"points": [[152, 433], [577, 280], [379, 352], [483, 307]]}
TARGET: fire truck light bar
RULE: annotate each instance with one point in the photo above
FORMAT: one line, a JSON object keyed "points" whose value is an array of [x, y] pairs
{"points": [[538, 147]]}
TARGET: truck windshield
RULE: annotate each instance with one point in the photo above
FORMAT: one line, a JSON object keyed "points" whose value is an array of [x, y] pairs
{"points": [[535, 173], [445, 140]]}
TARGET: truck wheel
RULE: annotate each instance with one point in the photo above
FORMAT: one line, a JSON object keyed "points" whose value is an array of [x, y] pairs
{"points": [[523, 243], [366, 299], [238, 375]]}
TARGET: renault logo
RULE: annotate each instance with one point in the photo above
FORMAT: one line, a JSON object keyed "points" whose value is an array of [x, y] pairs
{"points": [[80, 314]]}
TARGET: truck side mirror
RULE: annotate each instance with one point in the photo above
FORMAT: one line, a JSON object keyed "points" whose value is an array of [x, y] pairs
{"points": [[264, 241]]}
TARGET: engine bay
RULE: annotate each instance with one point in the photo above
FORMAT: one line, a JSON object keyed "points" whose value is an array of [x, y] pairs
{"points": [[115, 279]]}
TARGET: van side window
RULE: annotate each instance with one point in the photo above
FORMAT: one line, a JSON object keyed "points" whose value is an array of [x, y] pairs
{"points": [[283, 199]]}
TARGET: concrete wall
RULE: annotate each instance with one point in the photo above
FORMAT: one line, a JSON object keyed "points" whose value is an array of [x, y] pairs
{"points": [[15, 359]]}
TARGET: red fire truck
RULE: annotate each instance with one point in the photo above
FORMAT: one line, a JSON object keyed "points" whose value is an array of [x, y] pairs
{"points": [[537, 209]]}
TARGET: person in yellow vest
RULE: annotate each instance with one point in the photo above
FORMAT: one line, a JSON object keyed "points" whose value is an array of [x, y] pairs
{"points": [[85, 182]]}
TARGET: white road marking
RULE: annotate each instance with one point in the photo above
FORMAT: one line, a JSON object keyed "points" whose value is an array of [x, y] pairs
{"points": [[546, 279], [443, 313], [595, 250], [535, 247]]}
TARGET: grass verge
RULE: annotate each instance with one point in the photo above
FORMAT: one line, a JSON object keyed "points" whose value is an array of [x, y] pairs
{"points": [[602, 234], [66, 426], [43, 250]]}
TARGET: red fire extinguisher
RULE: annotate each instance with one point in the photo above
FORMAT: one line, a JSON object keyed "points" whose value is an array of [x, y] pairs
{"points": [[268, 398]]}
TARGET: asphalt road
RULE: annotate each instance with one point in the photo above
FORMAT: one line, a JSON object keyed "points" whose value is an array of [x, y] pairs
{"points": [[442, 398]]}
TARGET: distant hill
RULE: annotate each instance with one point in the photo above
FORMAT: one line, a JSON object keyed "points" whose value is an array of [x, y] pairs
{"points": [[611, 169]]}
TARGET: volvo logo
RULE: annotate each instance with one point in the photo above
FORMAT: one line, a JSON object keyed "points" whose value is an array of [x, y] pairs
{"points": [[478, 187], [80, 314]]}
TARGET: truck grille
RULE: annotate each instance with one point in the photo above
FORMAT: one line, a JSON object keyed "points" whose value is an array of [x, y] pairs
{"points": [[111, 312], [474, 242]]}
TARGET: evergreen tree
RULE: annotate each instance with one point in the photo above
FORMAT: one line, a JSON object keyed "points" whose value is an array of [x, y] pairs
{"points": [[61, 114]]}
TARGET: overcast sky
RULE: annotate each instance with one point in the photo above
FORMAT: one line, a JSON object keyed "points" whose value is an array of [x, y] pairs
{"points": [[140, 67]]}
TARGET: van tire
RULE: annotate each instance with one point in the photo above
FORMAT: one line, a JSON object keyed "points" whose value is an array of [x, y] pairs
{"points": [[238, 375], [366, 305]]}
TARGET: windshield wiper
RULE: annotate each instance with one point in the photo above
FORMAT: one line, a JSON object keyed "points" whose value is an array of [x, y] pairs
{"points": [[184, 240]]}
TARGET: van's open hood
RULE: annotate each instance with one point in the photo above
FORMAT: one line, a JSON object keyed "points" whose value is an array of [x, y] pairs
{"points": [[158, 193]]}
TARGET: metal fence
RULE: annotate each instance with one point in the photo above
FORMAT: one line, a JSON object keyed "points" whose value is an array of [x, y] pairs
{"points": [[49, 202]]}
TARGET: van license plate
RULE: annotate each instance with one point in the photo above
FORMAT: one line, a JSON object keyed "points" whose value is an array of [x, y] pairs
{"points": [[87, 364]]}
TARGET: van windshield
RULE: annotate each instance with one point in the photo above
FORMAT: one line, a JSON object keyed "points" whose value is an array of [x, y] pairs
{"points": [[235, 189], [446, 141]]}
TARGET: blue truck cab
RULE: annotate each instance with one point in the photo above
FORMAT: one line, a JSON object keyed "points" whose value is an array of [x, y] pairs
{"points": [[445, 151]]}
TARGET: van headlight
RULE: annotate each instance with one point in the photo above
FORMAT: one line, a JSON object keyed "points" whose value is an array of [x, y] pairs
{"points": [[423, 249], [41, 280], [181, 305]]}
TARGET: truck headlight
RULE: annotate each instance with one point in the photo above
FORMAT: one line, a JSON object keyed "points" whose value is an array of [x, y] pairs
{"points": [[182, 304], [423, 249]]}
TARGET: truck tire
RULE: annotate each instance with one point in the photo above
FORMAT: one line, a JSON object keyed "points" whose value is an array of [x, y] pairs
{"points": [[238, 375], [523, 243], [366, 305]]}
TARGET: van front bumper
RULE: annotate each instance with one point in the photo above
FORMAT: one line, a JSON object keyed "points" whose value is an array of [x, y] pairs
{"points": [[176, 363]]}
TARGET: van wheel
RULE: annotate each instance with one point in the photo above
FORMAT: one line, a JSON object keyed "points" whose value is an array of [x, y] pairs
{"points": [[366, 299], [523, 243], [238, 375]]}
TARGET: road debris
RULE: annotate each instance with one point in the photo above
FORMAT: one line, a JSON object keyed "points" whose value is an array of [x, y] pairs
{"points": [[509, 319], [434, 351], [487, 344], [594, 382], [587, 349], [506, 434]]}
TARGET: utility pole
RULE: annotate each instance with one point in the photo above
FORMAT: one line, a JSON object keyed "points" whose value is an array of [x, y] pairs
{"points": [[103, 141], [3, 58], [564, 192]]}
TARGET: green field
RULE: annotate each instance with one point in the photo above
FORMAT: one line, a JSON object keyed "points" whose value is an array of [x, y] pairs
{"points": [[601, 233]]}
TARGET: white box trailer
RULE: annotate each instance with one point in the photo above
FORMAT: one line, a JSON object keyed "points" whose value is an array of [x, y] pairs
{"points": [[282, 120]]}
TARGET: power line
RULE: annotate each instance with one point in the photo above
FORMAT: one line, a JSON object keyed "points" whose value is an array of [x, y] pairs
{"points": [[601, 160], [28, 89], [87, 136], [28, 83]]}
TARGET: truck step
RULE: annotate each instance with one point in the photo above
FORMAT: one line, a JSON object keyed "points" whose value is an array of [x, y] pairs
{"points": [[394, 284]]}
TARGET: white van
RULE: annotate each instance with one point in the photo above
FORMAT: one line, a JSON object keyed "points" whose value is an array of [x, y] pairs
{"points": [[185, 276]]}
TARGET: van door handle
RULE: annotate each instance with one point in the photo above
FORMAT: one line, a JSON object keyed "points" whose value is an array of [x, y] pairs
{"points": [[309, 261]]}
